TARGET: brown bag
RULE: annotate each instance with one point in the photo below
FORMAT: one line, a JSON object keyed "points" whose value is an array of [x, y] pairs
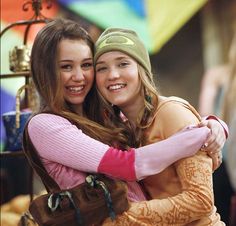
{"points": [[85, 204], [89, 203]]}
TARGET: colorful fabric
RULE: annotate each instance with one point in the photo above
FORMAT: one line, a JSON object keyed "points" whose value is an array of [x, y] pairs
{"points": [[155, 21]]}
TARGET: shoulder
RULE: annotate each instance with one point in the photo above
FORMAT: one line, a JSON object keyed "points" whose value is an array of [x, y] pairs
{"points": [[173, 114], [50, 129], [170, 101], [175, 107], [44, 121]]}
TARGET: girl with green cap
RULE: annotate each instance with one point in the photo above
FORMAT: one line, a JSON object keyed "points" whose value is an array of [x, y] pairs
{"points": [[181, 194]]}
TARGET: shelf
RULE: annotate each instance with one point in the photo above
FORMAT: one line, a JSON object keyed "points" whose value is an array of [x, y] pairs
{"points": [[16, 74], [12, 154]]}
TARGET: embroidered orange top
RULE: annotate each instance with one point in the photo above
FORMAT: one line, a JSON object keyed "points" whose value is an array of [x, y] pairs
{"points": [[184, 188]]}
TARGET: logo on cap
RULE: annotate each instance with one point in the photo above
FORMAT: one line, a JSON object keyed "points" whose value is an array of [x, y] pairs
{"points": [[116, 40]]}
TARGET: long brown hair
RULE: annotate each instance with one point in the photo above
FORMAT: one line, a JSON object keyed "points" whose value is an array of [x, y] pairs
{"points": [[47, 80]]}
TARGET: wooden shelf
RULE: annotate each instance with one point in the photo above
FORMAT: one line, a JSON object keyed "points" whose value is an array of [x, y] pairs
{"points": [[16, 74], [12, 154]]}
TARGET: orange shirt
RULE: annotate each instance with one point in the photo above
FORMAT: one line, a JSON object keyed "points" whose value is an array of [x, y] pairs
{"points": [[185, 188]]}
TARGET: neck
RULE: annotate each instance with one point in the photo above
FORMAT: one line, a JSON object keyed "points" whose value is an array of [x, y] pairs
{"points": [[132, 111], [78, 109]]}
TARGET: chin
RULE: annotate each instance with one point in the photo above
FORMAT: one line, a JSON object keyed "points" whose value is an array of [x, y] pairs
{"points": [[117, 102], [77, 101]]}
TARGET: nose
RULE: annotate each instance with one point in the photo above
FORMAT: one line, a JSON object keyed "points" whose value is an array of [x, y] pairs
{"points": [[113, 74], [78, 75]]}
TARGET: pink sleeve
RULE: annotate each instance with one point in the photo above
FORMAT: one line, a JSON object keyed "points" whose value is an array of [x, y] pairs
{"points": [[223, 124], [57, 140], [154, 158]]}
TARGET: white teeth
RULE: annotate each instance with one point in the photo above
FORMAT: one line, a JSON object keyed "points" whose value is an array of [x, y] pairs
{"points": [[75, 89], [115, 87]]}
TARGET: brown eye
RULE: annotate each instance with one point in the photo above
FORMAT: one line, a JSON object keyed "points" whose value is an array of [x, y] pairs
{"points": [[66, 67], [87, 65], [124, 64], [100, 69]]}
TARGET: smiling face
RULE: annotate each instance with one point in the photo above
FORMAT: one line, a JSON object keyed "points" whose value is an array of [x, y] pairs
{"points": [[118, 80], [76, 70]]}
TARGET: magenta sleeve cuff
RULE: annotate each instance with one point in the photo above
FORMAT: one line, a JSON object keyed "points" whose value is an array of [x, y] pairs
{"points": [[119, 164], [224, 125]]}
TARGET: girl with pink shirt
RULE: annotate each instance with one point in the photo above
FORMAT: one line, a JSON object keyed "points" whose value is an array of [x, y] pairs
{"points": [[66, 132]]}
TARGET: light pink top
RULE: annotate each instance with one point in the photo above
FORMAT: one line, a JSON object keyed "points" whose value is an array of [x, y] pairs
{"points": [[67, 153]]}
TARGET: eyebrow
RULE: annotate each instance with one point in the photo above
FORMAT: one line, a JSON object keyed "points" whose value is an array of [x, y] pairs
{"points": [[64, 60], [70, 60], [90, 58], [100, 62]]}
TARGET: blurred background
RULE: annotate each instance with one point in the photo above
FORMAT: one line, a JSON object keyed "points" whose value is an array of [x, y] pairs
{"points": [[184, 38]]}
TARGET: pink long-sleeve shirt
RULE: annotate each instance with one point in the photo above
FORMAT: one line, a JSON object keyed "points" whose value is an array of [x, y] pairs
{"points": [[68, 154]]}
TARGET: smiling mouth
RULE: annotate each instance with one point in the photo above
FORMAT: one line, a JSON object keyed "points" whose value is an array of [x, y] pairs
{"points": [[116, 87], [76, 89]]}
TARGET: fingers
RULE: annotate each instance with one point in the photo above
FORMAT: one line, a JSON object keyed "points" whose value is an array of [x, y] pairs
{"points": [[216, 160], [216, 165], [214, 143], [216, 139], [203, 123]]}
